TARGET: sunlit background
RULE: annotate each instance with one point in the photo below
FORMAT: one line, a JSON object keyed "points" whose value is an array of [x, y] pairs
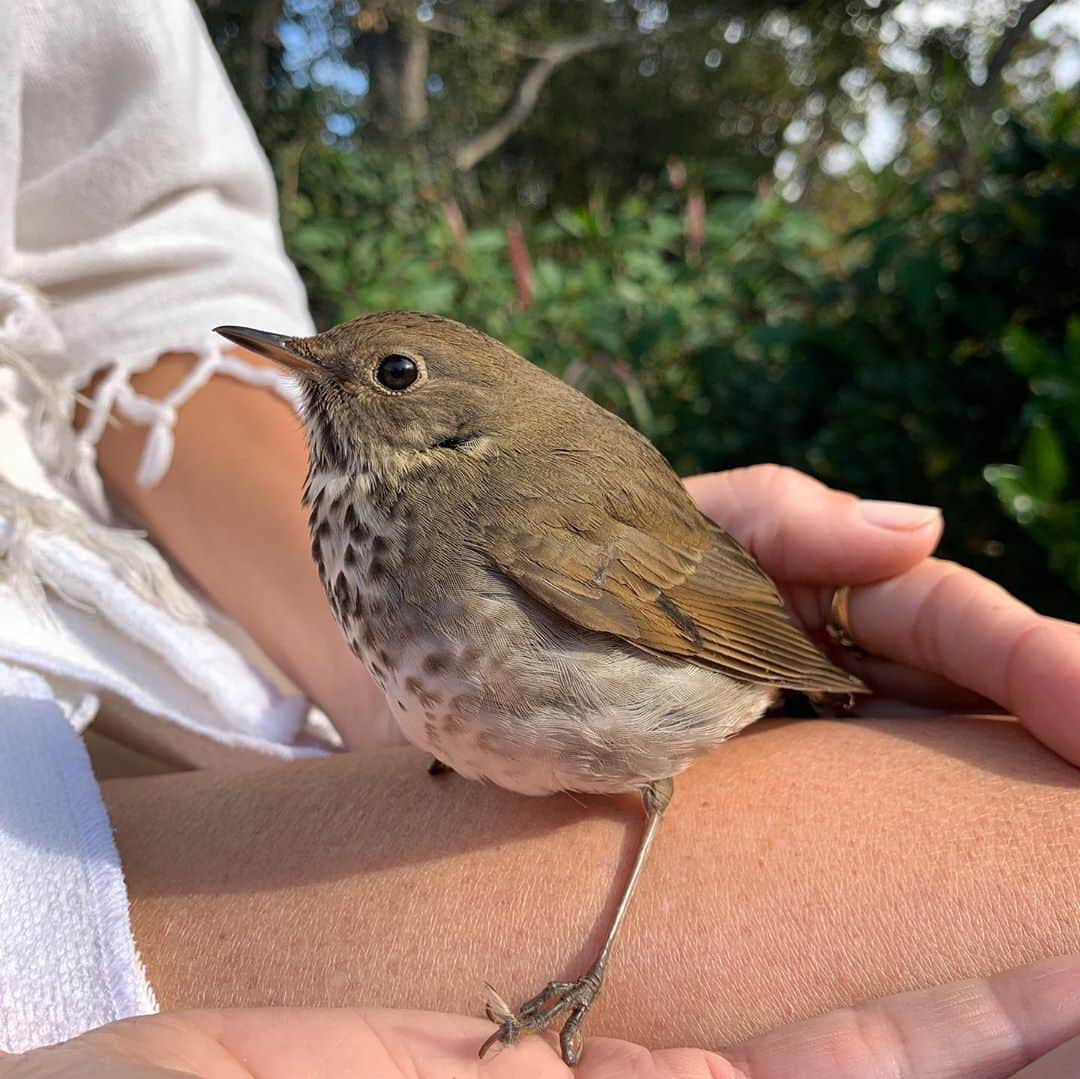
{"points": [[843, 237]]}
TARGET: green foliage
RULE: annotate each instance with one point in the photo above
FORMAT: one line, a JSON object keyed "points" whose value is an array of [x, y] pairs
{"points": [[1035, 492], [907, 359]]}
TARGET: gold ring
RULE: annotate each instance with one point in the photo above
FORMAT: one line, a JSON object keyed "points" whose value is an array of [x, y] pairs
{"points": [[838, 625]]}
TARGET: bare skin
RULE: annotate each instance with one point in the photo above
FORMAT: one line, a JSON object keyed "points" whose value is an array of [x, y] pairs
{"points": [[804, 866]]}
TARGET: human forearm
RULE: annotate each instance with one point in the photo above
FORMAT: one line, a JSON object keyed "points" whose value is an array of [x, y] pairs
{"points": [[229, 511], [802, 866]]}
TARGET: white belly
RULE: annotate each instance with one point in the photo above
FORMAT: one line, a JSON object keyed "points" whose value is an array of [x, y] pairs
{"points": [[444, 715], [607, 748]]}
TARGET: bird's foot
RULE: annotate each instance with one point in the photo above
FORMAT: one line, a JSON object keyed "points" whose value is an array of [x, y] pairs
{"points": [[557, 999]]}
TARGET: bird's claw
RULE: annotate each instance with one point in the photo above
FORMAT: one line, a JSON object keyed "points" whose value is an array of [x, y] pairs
{"points": [[540, 1011], [505, 1035], [498, 1012]]}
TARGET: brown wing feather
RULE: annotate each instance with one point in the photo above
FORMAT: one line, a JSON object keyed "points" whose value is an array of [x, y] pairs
{"points": [[703, 599]]}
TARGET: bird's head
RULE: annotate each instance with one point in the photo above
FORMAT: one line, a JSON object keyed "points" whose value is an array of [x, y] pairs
{"points": [[390, 391]]}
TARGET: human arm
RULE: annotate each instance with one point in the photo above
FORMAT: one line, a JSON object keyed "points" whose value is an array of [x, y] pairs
{"points": [[228, 510], [804, 866]]}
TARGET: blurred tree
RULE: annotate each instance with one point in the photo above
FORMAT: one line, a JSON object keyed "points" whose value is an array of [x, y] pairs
{"points": [[627, 85]]}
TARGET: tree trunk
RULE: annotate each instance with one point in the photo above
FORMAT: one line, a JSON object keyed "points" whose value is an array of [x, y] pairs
{"points": [[265, 14], [397, 58]]}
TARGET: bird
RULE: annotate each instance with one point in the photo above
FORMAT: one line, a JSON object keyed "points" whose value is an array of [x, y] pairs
{"points": [[528, 581]]}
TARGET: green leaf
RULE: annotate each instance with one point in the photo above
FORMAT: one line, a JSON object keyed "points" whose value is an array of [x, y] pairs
{"points": [[574, 223], [483, 241], [1072, 345], [1043, 461], [1027, 354], [549, 277], [316, 237]]}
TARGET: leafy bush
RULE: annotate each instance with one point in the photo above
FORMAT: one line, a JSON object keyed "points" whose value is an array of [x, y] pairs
{"points": [[928, 355]]}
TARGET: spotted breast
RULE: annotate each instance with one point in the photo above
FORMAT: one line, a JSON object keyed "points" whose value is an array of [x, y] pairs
{"points": [[495, 685]]}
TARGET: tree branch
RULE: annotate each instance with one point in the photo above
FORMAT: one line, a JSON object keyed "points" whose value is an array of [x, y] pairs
{"points": [[263, 18], [459, 28], [414, 72], [548, 59], [469, 153], [1010, 39]]}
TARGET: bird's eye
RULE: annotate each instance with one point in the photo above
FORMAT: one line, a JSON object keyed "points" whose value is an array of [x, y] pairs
{"points": [[396, 372]]}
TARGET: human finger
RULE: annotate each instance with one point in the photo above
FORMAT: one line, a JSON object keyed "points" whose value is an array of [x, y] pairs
{"points": [[984, 1027], [942, 618], [802, 531]]}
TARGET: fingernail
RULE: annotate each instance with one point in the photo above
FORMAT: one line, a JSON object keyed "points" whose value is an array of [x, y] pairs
{"points": [[899, 516]]}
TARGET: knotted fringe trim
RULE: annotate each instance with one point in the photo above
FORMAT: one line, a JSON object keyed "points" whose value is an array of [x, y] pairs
{"points": [[116, 394], [127, 553], [23, 514], [70, 456]]}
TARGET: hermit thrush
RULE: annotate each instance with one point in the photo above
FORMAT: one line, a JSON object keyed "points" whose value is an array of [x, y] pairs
{"points": [[528, 581]]}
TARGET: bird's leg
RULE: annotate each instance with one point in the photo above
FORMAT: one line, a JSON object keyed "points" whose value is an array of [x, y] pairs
{"points": [[574, 999]]}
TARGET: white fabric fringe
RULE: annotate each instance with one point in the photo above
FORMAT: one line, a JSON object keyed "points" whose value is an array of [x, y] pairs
{"points": [[116, 393], [70, 455]]}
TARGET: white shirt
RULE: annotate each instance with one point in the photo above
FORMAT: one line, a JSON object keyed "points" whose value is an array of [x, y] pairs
{"points": [[136, 213]]}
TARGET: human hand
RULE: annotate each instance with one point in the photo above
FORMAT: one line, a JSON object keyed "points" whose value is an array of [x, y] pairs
{"points": [[936, 633], [1027, 1018]]}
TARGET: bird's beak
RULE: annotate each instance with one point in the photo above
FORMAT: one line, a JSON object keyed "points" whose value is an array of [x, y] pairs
{"points": [[286, 351]]}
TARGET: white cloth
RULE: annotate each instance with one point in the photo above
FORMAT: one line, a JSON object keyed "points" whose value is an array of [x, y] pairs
{"points": [[67, 961], [134, 198], [136, 213], [97, 612]]}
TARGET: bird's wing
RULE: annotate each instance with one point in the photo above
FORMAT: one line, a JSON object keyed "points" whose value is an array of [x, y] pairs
{"points": [[700, 597]]}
